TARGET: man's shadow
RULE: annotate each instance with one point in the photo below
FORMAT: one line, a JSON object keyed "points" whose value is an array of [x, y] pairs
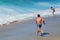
{"points": [[44, 34]]}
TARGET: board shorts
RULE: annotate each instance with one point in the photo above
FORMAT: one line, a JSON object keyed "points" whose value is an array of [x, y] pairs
{"points": [[39, 25], [53, 11]]}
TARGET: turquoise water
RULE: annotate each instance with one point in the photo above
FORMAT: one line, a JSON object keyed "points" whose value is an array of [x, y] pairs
{"points": [[11, 10], [30, 4], [26, 6]]}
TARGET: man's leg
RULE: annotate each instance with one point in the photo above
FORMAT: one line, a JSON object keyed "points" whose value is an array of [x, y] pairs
{"points": [[41, 31], [53, 13], [38, 30]]}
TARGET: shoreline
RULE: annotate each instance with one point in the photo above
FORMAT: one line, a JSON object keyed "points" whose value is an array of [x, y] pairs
{"points": [[16, 22]]}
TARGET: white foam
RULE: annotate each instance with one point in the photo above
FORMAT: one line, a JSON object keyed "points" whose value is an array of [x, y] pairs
{"points": [[8, 15]]}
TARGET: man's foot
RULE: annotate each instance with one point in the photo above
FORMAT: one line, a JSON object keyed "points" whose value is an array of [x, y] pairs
{"points": [[42, 35]]}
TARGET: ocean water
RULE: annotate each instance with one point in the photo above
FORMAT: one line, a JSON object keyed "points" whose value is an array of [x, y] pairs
{"points": [[11, 10]]}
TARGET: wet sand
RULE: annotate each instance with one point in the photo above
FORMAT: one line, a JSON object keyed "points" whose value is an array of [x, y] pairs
{"points": [[27, 30]]}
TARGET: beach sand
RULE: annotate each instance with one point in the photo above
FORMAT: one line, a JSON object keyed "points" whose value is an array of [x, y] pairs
{"points": [[27, 30]]}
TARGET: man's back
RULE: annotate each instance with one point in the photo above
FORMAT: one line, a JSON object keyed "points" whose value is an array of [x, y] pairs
{"points": [[39, 20]]}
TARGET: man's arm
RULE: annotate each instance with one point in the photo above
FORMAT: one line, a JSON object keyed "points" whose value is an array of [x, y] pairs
{"points": [[43, 21]]}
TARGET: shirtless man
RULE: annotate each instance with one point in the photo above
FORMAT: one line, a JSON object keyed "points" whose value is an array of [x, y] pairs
{"points": [[39, 22], [53, 10]]}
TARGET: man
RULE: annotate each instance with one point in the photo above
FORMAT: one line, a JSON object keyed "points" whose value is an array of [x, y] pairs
{"points": [[53, 10], [39, 22]]}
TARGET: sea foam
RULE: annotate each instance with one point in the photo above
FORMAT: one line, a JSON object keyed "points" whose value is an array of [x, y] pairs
{"points": [[8, 15]]}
